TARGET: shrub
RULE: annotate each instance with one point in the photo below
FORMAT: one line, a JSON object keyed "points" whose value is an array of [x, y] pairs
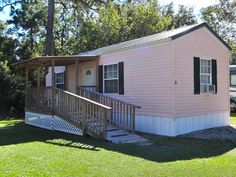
{"points": [[11, 88]]}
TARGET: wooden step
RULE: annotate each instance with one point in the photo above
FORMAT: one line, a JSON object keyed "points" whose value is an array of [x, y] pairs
{"points": [[116, 135]]}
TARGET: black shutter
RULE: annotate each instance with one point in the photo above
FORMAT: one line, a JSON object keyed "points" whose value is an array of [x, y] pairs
{"points": [[121, 78], [196, 63], [100, 78], [214, 74]]}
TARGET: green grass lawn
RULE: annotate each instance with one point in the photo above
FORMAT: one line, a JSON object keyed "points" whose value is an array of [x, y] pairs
{"points": [[31, 151], [233, 119]]}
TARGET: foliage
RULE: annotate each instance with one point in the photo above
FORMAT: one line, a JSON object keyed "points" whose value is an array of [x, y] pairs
{"points": [[233, 57], [183, 16], [121, 22], [222, 18], [233, 120], [81, 25], [29, 25], [7, 49], [11, 88]]}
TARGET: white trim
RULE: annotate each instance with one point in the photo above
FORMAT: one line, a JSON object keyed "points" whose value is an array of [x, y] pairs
{"points": [[206, 74], [58, 69], [63, 81]]}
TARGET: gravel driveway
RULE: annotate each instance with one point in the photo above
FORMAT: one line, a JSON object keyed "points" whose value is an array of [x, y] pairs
{"points": [[227, 133]]}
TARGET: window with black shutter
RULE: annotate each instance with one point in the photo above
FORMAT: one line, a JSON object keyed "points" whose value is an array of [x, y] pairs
{"points": [[205, 76], [113, 78]]}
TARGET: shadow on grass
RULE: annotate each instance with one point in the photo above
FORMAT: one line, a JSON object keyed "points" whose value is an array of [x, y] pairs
{"points": [[165, 149]]}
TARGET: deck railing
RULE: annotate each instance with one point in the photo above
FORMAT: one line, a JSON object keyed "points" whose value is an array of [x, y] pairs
{"points": [[38, 99], [90, 87], [81, 112], [123, 114]]}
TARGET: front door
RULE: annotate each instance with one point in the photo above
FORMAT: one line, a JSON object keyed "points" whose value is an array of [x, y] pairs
{"points": [[89, 76]]}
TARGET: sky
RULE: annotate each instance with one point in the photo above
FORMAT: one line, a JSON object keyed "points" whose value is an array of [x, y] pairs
{"points": [[5, 14], [196, 4]]}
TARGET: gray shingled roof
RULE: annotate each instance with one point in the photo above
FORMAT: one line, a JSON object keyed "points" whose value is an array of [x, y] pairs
{"points": [[171, 35]]}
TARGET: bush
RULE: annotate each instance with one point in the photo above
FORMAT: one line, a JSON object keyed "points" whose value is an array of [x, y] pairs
{"points": [[11, 88]]}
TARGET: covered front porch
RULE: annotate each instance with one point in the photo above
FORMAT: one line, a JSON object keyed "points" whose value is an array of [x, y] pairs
{"points": [[64, 72], [71, 94]]}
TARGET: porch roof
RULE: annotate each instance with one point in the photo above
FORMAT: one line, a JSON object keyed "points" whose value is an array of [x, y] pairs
{"points": [[43, 61]]}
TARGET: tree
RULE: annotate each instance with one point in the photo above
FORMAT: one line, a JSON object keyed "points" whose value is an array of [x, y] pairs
{"points": [[131, 20], [49, 33], [8, 45], [183, 16], [28, 25], [11, 88], [222, 18]]}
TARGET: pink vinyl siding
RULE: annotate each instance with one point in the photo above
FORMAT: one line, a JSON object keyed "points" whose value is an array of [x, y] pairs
{"points": [[200, 43], [147, 77]]}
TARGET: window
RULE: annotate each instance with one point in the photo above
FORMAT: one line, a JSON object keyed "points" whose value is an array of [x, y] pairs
{"points": [[111, 78], [205, 75], [233, 80], [205, 72], [60, 80]]}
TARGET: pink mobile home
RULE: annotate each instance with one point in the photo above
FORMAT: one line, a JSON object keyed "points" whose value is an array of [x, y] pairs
{"points": [[178, 79]]}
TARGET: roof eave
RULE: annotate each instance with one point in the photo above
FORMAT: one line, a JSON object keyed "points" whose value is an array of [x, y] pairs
{"points": [[45, 61]]}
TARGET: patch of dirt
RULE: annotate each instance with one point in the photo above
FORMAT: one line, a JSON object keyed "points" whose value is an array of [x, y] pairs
{"points": [[223, 133]]}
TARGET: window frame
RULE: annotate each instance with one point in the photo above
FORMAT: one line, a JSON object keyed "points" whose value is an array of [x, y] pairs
{"points": [[105, 79], [60, 83], [206, 74]]}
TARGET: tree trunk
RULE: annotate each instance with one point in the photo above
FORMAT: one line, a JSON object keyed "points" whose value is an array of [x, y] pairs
{"points": [[49, 35]]}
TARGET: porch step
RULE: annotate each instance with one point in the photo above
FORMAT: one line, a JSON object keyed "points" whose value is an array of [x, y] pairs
{"points": [[116, 135]]}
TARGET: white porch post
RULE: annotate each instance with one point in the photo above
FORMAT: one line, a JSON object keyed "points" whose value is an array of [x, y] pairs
{"points": [[76, 76], [97, 74], [53, 73], [53, 85]]}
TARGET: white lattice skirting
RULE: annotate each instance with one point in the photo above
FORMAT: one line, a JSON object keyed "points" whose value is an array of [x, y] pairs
{"points": [[51, 123]]}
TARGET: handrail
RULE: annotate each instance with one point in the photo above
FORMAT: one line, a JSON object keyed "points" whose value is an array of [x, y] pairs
{"points": [[123, 114], [90, 87], [83, 98], [105, 96]]}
